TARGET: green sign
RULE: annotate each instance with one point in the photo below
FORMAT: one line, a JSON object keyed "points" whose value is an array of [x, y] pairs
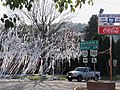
{"points": [[89, 45]]}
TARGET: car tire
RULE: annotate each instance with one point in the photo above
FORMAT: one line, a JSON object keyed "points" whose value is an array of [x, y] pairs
{"points": [[79, 78], [70, 79], [96, 78], [86, 79]]}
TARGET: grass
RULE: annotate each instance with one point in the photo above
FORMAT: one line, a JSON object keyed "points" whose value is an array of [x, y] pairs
{"points": [[33, 77], [62, 77], [37, 77], [113, 78]]}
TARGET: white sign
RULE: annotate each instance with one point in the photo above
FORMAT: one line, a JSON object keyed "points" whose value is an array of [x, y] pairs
{"points": [[94, 60], [84, 53], [85, 60], [114, 63], [108, 19], [93, 53]]}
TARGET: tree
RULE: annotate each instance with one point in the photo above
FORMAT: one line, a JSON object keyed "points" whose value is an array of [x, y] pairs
{"points": [[103, 53], [61, 5], [92, 27], [31, 45], [117, 48], [20, 4], [44, 16], [22, 50]]}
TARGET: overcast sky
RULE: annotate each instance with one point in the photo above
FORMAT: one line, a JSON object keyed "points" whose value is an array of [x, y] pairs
{"points": [[109, 6], [83, 15]]}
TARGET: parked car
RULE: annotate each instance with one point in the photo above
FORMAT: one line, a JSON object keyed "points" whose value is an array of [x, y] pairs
{"points": [[83, 73]]}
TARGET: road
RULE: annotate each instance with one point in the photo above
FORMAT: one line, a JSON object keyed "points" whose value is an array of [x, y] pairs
{"points": [[45, 85], [36, 85]]}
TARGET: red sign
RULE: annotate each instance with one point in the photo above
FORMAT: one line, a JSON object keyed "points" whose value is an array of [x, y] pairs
{"points": [[109, 29]]}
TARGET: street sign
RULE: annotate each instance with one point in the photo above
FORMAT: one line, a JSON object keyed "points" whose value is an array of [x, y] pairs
{"points": [[94, 60], [114, 63], [89, 45], [93, 53], [109, 29], [84, 53], [85, 60]]}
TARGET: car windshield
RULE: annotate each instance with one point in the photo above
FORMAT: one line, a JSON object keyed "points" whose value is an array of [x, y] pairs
{"points": [[79, 69]]}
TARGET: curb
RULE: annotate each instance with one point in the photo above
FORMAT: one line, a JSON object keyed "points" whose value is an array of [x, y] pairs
{"points": [[75, 88], [78, 88]]}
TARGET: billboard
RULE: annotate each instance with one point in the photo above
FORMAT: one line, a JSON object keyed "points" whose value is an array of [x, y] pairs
{"points": [[109, 29], [109, 23]]}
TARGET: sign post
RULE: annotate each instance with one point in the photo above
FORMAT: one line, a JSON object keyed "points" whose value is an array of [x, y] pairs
{"points": [[114, 64], [85, 60], [109, 24], [111, 58], [91, 45], [94, 61]]}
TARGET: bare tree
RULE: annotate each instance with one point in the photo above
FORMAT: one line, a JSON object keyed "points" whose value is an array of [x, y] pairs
{"points": [[43, 15], [45, 22], [35, 40]]}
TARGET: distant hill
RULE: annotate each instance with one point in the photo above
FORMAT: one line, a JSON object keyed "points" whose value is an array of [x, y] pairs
{"points": [[74, 26]]}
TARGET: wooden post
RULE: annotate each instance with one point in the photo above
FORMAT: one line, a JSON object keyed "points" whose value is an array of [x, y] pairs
{"points": [[86, 71], [110, 57]]}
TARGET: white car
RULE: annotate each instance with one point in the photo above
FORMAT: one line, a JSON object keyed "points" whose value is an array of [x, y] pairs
{"points": [[81, 73]]}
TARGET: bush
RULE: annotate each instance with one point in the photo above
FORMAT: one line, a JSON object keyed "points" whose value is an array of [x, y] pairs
{"points": [[62, 77], [113, 78], [33, 77]]}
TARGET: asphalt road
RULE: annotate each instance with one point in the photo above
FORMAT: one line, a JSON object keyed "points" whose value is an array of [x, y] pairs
{"points": [[36, 85], [45, 85]]}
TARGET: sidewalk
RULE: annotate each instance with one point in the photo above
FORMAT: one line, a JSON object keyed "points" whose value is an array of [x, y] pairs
{"points": [[117, 86]]}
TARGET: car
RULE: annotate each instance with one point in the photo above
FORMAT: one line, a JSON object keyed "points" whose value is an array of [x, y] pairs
{"points": [[83, 73]]}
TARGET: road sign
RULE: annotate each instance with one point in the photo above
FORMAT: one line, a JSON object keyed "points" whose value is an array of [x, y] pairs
{"points": [[109, 29], [94, 60], [114, 63], [108, 19], [84, 53], [89, 45], [85, 60], [93, 53]]}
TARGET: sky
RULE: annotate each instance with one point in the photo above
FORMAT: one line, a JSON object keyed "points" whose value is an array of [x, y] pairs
{"points": [[83, 15], [109, 6]]}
